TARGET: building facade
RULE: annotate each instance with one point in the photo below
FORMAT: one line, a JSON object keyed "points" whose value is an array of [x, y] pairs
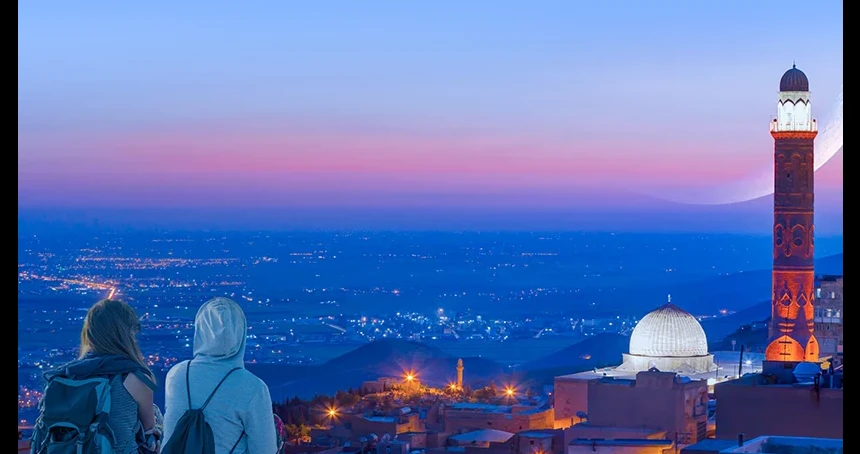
{"points": [[658, 401], [791, 336], [464, 417], [759, 405], [828, 316]]}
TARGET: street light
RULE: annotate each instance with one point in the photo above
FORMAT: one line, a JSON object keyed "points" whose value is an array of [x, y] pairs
{"points": [[509, 391], [410, 377]]}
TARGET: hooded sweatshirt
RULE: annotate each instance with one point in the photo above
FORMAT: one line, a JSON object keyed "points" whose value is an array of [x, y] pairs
{"points": [[242, 403]]}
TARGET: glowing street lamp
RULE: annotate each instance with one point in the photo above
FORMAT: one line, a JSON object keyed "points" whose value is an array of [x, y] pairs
{"points": [[509, 391], [410, 377], [453, 386], [332, 412]]}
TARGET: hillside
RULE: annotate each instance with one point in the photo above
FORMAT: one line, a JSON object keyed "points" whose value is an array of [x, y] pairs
{"points": [[601, 349], [389, 357], [718, 328], [735, 292]]}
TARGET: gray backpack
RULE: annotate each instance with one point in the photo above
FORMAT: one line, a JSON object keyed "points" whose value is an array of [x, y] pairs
{"points": [[193, 435], [74, 417]]}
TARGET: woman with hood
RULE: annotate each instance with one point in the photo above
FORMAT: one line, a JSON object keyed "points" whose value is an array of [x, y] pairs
{"points": [[109, 348], [240, 411]]}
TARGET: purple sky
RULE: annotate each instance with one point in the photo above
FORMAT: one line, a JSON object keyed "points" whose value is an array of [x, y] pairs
{"points": [[448, 113]]}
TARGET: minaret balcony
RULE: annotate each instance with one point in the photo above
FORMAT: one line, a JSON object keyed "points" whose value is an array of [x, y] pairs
{"points": [[809, 127]]}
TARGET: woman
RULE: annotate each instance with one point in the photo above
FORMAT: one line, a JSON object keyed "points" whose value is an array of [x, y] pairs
{"points": [[109, 348], [240, 409]]}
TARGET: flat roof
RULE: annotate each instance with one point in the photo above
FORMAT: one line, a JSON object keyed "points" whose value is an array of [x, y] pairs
{"points": [[727, 362], [486, 408], [711, 445], [379, 418], [536, 434], [483, 435], [620, 442], [798, 445]]}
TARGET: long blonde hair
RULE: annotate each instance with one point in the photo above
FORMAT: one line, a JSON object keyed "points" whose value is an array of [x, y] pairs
{"points": [[110, 329]]}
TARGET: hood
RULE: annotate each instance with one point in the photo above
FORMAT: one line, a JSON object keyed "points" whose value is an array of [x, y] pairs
{"points": [[94, 366], [220, 332]]}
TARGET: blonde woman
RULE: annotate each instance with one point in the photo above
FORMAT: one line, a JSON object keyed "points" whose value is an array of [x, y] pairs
{"points": [[109, 349]]}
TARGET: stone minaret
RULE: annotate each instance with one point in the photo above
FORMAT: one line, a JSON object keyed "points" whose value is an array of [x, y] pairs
{"points": [[460, 373], [791, 337]]}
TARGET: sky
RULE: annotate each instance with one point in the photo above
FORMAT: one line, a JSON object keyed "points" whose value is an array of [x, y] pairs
{"points": [[442, 114]]}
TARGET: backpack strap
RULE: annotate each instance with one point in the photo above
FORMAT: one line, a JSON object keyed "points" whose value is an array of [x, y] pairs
{"points": [[241, 436], [217, 386], [188, 386]]}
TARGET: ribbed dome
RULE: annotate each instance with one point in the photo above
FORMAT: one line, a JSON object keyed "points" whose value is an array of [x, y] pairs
{"points": [[668, 331], [794, 80]]}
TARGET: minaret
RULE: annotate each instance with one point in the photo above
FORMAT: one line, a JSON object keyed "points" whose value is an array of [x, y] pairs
{"points": [[460, 373], [791, 337]]}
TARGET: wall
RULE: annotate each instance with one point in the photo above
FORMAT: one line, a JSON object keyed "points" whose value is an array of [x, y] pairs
{"points": [[619, 449], [458, 421], [654, 402], [781, 410], [417, 440], [828, 317], [571, 396], [361, 427]]}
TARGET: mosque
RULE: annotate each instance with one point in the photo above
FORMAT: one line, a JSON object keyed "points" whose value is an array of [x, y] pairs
{"points": [[668, 339]]}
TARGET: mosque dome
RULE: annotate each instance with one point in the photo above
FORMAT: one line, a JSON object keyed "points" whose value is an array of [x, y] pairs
{"points": [[668, 332], [794, 80]]}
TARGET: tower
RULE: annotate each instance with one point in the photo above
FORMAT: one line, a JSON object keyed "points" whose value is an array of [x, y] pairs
{"points": [[460, 373], [790, 335]]}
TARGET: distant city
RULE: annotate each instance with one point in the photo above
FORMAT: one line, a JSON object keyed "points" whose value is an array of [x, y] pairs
{"points": [[313, 296]]}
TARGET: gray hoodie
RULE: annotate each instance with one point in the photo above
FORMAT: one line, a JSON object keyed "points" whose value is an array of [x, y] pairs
{"points": [[242, 403]]}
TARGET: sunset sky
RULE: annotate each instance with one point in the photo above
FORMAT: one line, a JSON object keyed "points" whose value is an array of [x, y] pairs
{"points": [[435, 113]]}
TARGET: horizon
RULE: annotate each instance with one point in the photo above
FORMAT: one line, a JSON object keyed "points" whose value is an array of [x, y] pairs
{"points": [[420, 116]]}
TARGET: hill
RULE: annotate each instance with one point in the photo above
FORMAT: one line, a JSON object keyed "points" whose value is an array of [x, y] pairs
{"points": [[718, 328], [736, 291], [388, 357]]}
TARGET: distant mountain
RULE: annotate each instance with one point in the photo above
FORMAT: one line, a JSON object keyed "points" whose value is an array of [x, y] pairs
{"points": [[734, 292], [753, 337], [390, 357], [718, 328], [594, 351]]}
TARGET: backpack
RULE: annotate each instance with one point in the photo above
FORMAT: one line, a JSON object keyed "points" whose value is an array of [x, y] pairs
{"points": [[193, 435], [73, 418]]}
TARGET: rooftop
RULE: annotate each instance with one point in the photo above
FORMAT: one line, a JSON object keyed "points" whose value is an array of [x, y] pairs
{"points": [[485, 408], [789, 445], [380, 418], [728, 364], [483, 436], [710, 445], [548, 433], [621, 442], [829, 277], [827, 382]]}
